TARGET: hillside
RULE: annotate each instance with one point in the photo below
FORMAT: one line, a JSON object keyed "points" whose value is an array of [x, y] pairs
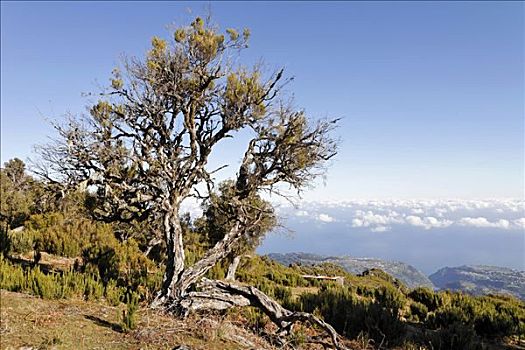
{"points": [[481, 279], [404, 319], [33, 323], [408, 274]]}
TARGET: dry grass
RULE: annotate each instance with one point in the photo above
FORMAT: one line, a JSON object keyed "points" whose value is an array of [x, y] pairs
{"points": [[47, 261], [29, 322], [297, 291]]}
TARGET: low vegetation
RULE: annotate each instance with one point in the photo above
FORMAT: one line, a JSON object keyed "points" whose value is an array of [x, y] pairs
{"points": [[31, 322], [374, 308]]}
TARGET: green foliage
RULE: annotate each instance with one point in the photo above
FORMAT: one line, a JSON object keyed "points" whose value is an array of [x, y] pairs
{"points": [[19, 242], [123, 263], [129, 316], [352, 315], [489, 317], [51, 285], [67, 234], [426, 297], [15, 191], [374, 305], [255, 319], [258, 270], [455, 336], [418, 311], [74, 235], [220, 214], [113, 293]]}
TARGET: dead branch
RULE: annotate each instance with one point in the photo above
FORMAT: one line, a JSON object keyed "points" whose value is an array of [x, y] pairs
{"points": [[221, 295]]}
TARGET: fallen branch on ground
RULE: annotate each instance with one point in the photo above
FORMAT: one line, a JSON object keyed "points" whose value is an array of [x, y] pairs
{"points": [[221, 295]]}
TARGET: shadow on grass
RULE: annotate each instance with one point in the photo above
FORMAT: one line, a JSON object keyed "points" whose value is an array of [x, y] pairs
{"points": [[101, 322]]}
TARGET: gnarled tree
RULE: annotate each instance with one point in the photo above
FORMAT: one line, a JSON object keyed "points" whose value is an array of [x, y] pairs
{"points": [[217, 222], [144, 148]]}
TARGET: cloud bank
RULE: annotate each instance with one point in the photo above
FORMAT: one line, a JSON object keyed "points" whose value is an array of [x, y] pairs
{"points": [[383, 215]]}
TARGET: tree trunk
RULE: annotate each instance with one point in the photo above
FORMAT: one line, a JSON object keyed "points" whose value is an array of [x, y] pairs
{"points": [[221, 250], [221, 295], [177, 279], [174, 258], [232, 269]]}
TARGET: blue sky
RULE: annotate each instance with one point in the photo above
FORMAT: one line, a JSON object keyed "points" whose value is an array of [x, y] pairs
{"points": [[431, 93]]}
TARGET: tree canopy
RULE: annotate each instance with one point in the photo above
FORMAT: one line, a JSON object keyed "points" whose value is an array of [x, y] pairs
{"points": [[145, 145]]}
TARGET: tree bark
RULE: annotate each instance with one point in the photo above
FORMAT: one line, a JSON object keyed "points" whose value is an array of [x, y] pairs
{"points": [[175, 258], [232, 269], [221, 250], [221, 295], [152, 244], [177, 279]]}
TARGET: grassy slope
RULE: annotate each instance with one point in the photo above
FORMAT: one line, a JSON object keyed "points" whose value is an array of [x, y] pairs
{"points": [[74, 324], [77, 324]]}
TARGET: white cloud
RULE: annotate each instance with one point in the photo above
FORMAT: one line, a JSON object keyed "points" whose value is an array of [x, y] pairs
{"points": [[358, 223], [381, 215], [417, 211], [326, 218], [371, 219], [483, 222], [380, 229], [520, 223], [427, 222]]}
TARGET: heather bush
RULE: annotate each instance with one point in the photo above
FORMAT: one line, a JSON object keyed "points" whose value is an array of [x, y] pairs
{"points": [[418, 311], [20, 242], [352, 315], [426, 297], [129, 315], [54, 285]]}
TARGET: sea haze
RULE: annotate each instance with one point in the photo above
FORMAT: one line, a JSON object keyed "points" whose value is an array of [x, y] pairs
{"points": [[428, 234]]}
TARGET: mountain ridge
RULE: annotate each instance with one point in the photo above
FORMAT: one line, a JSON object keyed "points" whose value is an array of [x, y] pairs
{"points": [[406, 273], [481, 279], [472, 279]]}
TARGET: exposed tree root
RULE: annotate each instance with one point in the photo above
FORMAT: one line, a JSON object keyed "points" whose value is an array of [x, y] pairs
{"points": [[221, 295]]}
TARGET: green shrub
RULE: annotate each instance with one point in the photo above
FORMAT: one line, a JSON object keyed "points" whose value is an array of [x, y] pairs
{"points": [[352, 315], [113, 293], [65, 234], [389, 297], [55, 285], [124, 263], [93, 290], [283, 295], [255, 319], [419, 311], [20, 242], [455, 336], [129, 317], [426, 297], [11, 278]]}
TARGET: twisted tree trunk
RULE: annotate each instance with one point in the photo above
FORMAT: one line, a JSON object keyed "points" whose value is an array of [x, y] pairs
{"points": [[175, 258], [178, 279], [232, 269], [221, 295], [221, 250]]}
